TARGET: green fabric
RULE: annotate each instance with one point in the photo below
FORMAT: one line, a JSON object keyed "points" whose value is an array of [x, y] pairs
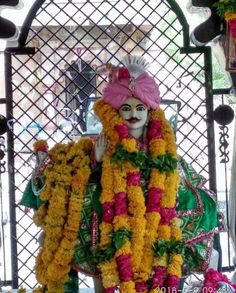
{"points": [[210, 215], [198, 210], [72, 285], [208, 219], [29, 199], [187, 200], [83, 256]]}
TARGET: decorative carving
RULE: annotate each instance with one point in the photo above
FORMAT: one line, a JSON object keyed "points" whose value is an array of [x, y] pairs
{"points": [[224, 153], [224, 115]]}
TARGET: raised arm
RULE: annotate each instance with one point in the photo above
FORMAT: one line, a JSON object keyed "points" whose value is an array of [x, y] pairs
{"points": [[100, 146]]}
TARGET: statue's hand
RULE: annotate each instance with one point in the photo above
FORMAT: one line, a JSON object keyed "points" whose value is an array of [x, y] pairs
{"points": [[41, 238], [100, 146]]}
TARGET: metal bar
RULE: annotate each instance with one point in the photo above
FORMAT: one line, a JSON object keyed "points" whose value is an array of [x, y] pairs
{"points": [[5, 283], [3, 101], [20, 50], [192, 50], [2, 230], [28, 21], [210, 118], [182, 19], [11, 176], [225, 91]]}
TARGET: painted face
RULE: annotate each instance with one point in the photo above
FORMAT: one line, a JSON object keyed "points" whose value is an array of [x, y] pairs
{"points": [[134, 112]]}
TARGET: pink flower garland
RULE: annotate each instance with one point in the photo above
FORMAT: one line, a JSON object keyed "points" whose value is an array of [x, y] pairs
{"points": [[141, 286], [123, 131], [155, 130], [153, 199], [212, 279], [158, 277], [167, 215], [118, 206], [124, 267], [110, 290], [133, 179], [121, 204], [172, 283], [108, 212]]}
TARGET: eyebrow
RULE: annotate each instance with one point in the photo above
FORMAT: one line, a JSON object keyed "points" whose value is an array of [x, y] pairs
{"points": [[131, 105]]}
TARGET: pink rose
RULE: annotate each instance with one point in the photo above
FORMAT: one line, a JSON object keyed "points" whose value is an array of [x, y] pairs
{"points": [[155, 130], [133, 179], [141, 286], [124, 267], [122, 130], [153, 199], [108, 212], [167, 215], [121, 204]]}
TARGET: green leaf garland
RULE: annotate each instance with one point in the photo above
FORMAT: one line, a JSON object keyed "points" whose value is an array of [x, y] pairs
{"points": [[118, 240], [142, 160]]}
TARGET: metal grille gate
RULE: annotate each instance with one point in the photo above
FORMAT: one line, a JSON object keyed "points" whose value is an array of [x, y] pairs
{"points": [[51, 86]]}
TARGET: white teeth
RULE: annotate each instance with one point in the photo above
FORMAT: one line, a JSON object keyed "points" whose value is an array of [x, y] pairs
{"points": [[135, 64]]}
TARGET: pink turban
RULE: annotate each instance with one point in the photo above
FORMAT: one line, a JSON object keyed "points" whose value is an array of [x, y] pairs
{"points": [[145, 89]]}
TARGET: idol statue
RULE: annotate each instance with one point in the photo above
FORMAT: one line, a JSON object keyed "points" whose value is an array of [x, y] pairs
{"points": [[123, 208]]}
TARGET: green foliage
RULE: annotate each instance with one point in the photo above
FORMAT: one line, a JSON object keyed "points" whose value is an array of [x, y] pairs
{"points": [[118, 240], [137, 159], [193, 255], [225, 6], [161, 246], [140, 159]]}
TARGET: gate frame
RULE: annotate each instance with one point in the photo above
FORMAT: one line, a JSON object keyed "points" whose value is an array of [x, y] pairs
{"points": [[22, 49]]}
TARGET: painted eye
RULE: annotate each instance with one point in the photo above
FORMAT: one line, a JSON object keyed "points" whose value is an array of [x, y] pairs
{"points": [[125, 108], [140, 108]]}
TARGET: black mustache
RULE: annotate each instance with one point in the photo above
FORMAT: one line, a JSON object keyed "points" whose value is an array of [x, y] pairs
{"points": [[132, 119]]}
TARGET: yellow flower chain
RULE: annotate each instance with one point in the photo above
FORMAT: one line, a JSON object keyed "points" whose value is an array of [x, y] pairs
{"points": [[157, 147], [59, 216], [137, 220], [143, 226], [168, 200], [112, 174]]}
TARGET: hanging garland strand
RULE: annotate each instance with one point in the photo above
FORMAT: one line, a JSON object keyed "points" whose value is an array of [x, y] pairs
{"points": [[66, 178]]}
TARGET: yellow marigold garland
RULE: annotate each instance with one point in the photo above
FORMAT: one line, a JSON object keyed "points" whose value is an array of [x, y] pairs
{"points": [[68, 172], [53, 260], [110, 120], [144, 225]]}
